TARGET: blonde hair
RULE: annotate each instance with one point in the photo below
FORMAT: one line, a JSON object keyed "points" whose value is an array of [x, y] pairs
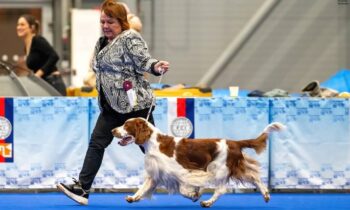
{"points": [[135, 22]]}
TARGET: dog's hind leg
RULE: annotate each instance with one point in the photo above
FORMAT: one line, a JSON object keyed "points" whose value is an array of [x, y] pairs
{"points": [[252, 175], [263, 189], [254, 178], [146, 189], [220, 190]]}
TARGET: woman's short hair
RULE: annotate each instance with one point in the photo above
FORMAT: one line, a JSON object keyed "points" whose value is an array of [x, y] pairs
{"points": [[116, 10], [32, 22]]}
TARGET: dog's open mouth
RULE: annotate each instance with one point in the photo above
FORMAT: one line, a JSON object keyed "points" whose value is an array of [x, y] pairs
{"points": [[126, 140]]}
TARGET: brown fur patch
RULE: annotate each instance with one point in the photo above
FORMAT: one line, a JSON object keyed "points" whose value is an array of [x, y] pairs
{"points": [[235, 160], [139, 129], [258, 144], [130, 127], [238, 163], [166, 144], [196, 153]]}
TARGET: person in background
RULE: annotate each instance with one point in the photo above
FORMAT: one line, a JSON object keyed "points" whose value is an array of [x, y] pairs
{"points": [[41, 58], [134, 21], [121, 57]]}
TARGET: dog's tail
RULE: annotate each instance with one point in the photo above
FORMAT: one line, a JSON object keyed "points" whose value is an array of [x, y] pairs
{"points": [[259, 144]]}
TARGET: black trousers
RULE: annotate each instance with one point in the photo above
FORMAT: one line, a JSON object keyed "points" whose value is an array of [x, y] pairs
{"points": [[101, 137]]}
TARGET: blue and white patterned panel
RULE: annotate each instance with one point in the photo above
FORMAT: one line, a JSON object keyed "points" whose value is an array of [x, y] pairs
{"points": [[50, 139], [93, 114], [314, 152], [235, 119], [122, 167], [160, 114], [52, 134]]}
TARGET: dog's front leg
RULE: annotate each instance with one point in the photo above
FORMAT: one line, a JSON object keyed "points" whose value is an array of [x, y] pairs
{"points": [[147, 188], [191, 192], [218, 191]]}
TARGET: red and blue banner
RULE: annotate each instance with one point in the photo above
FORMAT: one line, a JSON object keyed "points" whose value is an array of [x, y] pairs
{"points": [[6, 130]]}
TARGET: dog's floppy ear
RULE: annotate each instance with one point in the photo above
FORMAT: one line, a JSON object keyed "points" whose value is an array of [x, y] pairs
{"points": [[143, 131]]}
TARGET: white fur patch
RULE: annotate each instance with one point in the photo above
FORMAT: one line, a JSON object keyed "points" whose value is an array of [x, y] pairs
{"points": [[275, 126]]}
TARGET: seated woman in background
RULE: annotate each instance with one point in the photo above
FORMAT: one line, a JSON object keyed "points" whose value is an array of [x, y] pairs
{"points": [[41, 58]]}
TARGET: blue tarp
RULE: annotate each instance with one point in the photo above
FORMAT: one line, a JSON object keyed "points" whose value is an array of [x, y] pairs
{"points": [[340, 81]]}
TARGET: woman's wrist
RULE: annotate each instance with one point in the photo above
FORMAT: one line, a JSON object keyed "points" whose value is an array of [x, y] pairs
{"points": [[153, 68], [39, 73]]}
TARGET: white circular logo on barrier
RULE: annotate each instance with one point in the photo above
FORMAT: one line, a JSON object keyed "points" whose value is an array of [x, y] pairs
{"points": [[181, 127], [5, 128]]}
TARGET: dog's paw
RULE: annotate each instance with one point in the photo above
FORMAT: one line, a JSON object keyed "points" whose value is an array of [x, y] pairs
{"points": [[267, 197], [195, 197], [129, 199], [206, 204]]}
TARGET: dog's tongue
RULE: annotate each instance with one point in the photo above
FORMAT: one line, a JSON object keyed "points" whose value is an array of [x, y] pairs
{"points": [[126, 140]]}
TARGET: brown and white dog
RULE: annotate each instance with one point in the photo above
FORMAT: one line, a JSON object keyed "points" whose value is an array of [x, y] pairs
{"points": [[187, 165]]}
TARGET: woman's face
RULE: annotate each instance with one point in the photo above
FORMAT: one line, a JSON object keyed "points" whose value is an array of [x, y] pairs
{"points": [[110, 26], [23, 28]]}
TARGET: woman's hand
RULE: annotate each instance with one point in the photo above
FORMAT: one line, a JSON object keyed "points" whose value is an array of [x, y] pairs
{"points": [[39, 73], [161, 67]]}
